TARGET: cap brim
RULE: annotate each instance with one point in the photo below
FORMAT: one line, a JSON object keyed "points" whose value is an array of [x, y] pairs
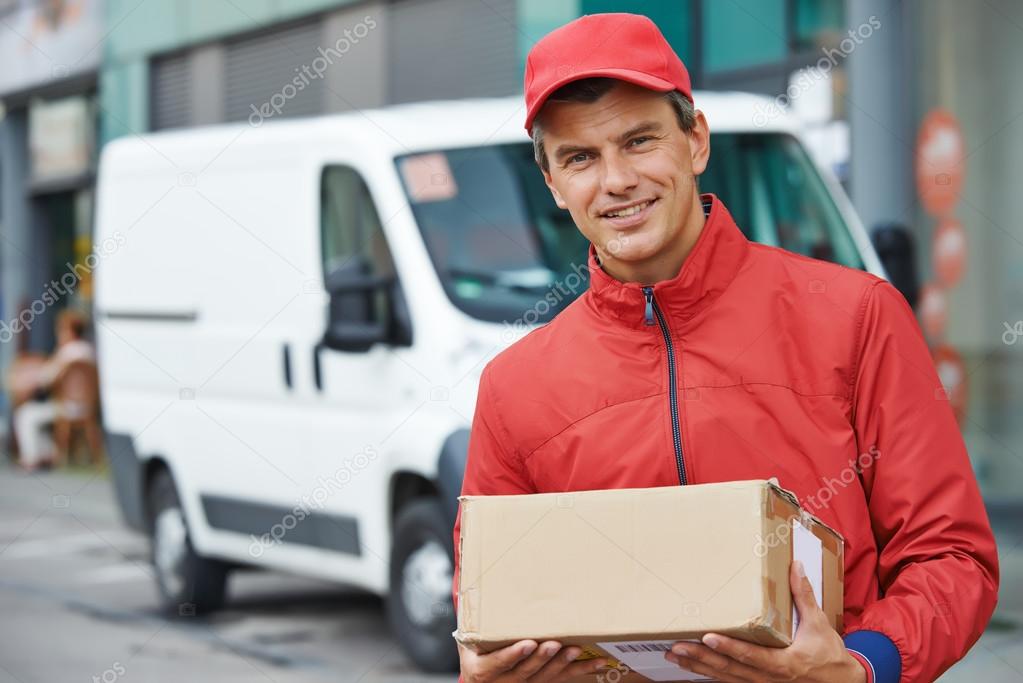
{"points": [[635, 77]]}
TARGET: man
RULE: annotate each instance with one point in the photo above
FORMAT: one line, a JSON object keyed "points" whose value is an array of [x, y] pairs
{"points": [[697, 356]]}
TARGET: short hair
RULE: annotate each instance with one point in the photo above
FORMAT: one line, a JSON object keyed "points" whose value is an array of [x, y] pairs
{"points": [[588, 90]]}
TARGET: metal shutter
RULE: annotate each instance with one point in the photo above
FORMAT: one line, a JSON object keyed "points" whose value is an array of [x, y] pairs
{"points": [[170, 92], [258, 68], [452, 48]]}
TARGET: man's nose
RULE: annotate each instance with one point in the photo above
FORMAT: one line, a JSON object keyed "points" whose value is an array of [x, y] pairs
{"points": [[619, 176]]}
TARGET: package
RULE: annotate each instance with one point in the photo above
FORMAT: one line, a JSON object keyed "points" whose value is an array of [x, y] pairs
{"points": [[625, 573]]}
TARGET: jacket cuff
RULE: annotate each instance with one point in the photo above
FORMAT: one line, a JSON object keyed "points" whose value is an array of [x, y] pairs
{"points": [[864, 662], [878, 653]]}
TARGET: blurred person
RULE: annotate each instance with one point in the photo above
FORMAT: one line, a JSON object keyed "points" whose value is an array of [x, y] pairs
{"points": [[32, 417], [697, 356]]}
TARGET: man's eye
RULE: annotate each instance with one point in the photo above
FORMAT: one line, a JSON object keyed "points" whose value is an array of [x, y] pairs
{"points": [[638, 140], [577, 158]]}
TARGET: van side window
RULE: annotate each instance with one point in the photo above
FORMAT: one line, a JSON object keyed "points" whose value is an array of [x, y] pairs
{"points": [[358, 270]]}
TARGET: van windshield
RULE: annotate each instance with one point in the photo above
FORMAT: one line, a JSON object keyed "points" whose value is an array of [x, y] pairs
{"points": [[506, 253]]}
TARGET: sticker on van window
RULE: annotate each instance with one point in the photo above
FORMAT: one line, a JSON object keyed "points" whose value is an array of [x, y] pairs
{"points": [[428, 177]]}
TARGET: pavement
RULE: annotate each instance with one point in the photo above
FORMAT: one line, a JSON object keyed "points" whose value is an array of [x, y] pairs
{"points": [[77, 603]]}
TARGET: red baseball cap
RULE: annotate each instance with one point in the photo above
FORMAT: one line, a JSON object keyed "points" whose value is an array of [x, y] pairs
{"points": [[628, 47]]}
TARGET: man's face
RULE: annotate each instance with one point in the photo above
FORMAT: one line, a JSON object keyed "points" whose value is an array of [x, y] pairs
{"points": [[626, 172]]}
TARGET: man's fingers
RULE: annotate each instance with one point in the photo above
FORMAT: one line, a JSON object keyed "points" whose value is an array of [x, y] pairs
{"points": [[543, 654], [508, 657], [719, 663], [555, 667], [698, 667], [802, 593], [758, 657], [582, 668]]}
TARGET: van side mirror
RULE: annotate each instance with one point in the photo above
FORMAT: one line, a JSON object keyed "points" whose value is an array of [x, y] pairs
{"points": [[363, 309], [341, 335], [894, 245]]}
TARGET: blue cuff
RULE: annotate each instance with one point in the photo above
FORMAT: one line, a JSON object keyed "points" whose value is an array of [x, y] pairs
{"points": [[879, 650]]}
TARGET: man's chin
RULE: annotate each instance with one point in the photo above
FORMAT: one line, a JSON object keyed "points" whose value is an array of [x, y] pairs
{"points": [[627, 248]]}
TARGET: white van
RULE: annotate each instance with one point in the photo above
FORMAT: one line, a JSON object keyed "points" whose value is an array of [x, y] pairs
{"points": [[292, 318]]}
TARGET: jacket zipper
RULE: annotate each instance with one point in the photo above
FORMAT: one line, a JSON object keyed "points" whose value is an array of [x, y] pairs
{"points": [[652, 310]]}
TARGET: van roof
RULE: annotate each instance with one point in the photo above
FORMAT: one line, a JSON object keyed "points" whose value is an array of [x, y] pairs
{"points": [[404, 128]]}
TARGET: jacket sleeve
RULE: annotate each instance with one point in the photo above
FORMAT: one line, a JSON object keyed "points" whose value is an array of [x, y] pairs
{"points": [[937, 564], [492, 466]]}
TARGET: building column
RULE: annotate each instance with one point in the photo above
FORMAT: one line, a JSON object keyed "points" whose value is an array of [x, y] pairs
{"points": [[15, 227], [879, 113]]}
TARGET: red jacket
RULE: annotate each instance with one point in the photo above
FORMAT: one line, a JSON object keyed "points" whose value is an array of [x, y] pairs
{"points": [[753, 363]]}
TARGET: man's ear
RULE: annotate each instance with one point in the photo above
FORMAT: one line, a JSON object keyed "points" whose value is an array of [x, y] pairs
{"points": [[558, 199], [699, 143]]}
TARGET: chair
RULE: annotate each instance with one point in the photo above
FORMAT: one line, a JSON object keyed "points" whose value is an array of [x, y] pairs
{"points": [[76, 392]]}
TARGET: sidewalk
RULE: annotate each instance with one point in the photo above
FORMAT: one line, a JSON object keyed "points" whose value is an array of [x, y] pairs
{"points": [[71, 569]]}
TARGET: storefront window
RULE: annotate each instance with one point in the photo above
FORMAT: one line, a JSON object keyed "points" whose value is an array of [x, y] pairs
{"points": [[817, 23], [743, 33]]}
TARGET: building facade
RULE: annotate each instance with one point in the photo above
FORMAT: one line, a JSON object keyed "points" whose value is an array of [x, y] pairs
{"points": [[50, 54], [195, 63], [909, 102]]}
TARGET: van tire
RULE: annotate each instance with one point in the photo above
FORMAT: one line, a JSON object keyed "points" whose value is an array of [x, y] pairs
{"points": [[189, 584], [419, 605]]}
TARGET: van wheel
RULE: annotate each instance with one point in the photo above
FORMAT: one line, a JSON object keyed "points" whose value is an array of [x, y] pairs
{"points": [[419, 603], [189, 584]]}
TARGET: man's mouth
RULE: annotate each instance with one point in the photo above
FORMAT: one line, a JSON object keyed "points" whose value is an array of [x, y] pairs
{"points": [[629, 211]]}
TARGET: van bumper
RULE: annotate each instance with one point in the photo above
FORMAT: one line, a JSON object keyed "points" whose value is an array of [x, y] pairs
{"points": [[128, 474]]}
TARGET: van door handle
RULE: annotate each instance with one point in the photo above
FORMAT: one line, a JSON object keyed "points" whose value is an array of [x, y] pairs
{"points": [[286, 358], [317, 372]]}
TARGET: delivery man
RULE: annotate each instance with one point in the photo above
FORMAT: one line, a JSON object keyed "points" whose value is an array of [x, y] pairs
{"points": [[697, 356]]}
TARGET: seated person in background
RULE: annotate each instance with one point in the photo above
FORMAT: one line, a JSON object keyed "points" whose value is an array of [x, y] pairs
{"points": [[32, 417]]}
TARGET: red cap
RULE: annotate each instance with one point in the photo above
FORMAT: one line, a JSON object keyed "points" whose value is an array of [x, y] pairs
{"points": [[628, 47]]}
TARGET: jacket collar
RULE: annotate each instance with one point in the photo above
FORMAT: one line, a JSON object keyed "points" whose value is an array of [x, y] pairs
{"points": [[707, 271]]}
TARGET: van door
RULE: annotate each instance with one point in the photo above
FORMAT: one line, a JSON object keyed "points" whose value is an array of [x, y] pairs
{"points": [[363, 392]]}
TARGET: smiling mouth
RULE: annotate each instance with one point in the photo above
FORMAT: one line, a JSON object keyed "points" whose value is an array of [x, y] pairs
{"points": [[631, 211]]}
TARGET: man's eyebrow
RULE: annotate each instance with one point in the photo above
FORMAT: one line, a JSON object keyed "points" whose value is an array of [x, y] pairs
{"points": [[645, 127]]}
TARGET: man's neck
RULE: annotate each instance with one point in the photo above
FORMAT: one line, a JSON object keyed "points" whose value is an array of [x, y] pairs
{"points": [[663, 266]]}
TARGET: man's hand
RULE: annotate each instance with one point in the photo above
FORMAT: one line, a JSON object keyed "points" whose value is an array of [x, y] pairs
{"points": [[524, 661], [817, 655]]}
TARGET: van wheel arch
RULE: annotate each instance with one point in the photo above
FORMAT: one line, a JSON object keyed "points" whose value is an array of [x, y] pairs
{"points": [[419, 606], [188, 583], [153, 467], [422, 519], [406, 487]]}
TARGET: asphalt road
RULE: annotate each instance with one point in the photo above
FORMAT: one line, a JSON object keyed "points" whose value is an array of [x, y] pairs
{"points": [[77, 603]]}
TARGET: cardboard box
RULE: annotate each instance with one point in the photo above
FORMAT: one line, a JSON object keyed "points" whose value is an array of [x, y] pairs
{"points": [[624, 573]]}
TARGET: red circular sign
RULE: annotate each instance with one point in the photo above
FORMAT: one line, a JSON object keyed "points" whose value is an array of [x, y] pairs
{"points": [[954, 378], [940, 160], [948, 251], [933, 310]]}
